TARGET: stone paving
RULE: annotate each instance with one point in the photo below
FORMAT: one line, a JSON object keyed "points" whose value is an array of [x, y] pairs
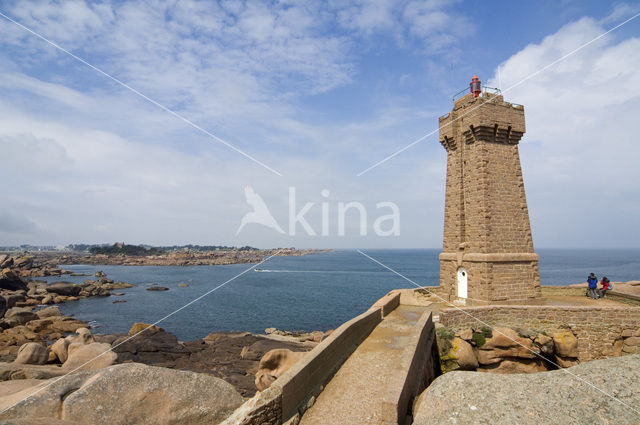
{"points": [[354, 394]]}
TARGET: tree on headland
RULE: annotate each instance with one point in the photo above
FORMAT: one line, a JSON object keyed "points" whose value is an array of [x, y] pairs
{"points": [[122, 248]]}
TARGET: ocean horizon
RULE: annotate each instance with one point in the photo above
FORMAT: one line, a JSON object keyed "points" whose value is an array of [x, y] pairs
{"points": [[313, 292]]}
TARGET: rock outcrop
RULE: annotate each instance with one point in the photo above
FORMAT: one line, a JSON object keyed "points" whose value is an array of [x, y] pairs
{"points": [[273, 364], [300, 336], [48, 312], [157, 288], [16, 316], [32, 353], [568, 396], [62, 347], [146, 327], [93, 356], [12, 281], [463, 354], [21, 326], [64, 288], [17, 291], [506, 350], [124, 394]]}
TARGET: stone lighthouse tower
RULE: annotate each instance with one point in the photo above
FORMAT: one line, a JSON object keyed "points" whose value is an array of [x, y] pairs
{"points": [[487, 253]]}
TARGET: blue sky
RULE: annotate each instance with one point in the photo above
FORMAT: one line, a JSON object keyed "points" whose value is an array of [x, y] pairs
{"points": [[318, 91]]}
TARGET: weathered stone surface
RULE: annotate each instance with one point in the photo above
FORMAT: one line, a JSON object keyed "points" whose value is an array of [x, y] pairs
{"points": [[617, 347], [65, 324], [18, 372], [17, 336], [273, 364], [466, 334], [59, 348], [545, 343], [64, 288], [48, 312], [541, 398], [139, 327], [14, 298], [565, 362], [462, 354], [23, 262], [487, 357], [44, 404], [126, 394], [12, 281], [40, 421], [3, 306], [515, 365], [89, 356], [39, 325], [83, 336], [502, 338], [158, 348], [565, 343], [19, 316], [506, 343], [32, 353], [631, 345], [634, 340]]}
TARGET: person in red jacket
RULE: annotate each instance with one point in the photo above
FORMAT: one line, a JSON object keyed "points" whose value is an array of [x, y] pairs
{"points": [[606, 286]]}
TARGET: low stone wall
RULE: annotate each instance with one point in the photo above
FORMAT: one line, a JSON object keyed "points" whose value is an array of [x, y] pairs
{"points": [[624, 298], [265, 408], [568, 291], [288, 395], [620, 297], [417, 368], [601, 331], [306, 377], [388, 303]]}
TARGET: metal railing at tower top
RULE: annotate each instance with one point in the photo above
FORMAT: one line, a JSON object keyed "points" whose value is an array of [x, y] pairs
{"points": [[485, 89]]}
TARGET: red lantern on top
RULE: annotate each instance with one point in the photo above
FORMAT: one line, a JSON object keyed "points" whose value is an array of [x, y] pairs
{"points": [[475, 86]]}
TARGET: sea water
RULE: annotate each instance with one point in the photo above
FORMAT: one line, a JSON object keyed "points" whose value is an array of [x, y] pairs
{"points": [[312, 292]]}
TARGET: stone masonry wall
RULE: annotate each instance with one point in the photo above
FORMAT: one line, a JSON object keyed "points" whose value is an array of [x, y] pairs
{"points": [[508, 216], [493, 281], [601, 331], [485, 202], [515, 281], [265, 408]]}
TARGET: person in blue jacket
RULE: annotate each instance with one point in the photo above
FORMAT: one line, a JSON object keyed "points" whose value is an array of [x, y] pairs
{"points": [[592, 280]]}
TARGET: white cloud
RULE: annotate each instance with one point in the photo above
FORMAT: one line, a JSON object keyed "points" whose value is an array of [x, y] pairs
{"points": [[94, 163], [579, 154]]}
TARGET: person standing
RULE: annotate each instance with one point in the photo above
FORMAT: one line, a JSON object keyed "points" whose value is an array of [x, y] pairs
{"points": [[592, 280]]}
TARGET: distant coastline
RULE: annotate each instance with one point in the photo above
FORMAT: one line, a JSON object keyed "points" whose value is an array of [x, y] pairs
{"points": [[47, 263]]}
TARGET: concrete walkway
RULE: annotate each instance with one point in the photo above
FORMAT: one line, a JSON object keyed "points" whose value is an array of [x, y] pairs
{"points": [[354, 394]]}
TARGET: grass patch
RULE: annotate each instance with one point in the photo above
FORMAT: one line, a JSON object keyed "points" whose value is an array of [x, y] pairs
{"points": [[444, 337], [479, 339], [486, 331]]}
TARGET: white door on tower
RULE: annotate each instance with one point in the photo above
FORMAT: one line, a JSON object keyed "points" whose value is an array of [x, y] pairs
{"points": [[463, 278]]}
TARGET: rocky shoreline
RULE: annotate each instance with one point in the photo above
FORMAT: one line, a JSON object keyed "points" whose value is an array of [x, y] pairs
{"points": [[47, 263], [49, 344], [38, 342]]}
